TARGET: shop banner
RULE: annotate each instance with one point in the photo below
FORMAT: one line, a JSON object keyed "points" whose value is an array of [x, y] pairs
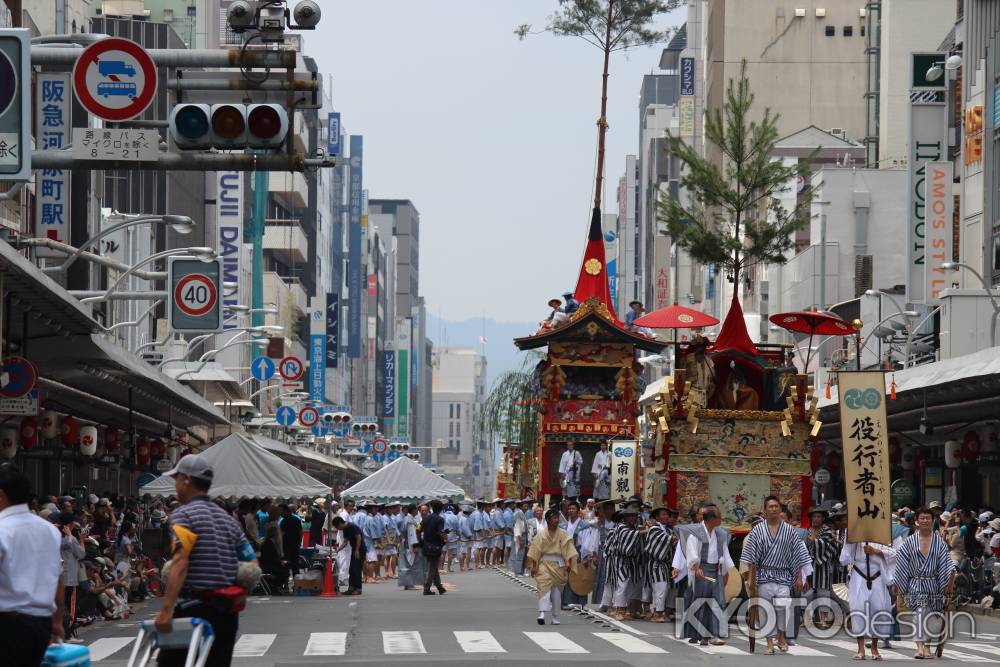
{"points": [[624, 469], [53, 120], [864, 432], [939, 207]]}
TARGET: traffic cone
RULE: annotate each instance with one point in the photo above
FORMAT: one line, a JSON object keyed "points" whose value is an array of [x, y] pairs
{"points": [[329, 590]]}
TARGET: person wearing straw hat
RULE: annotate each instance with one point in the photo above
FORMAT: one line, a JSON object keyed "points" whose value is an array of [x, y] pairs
{"points": [[623, 566], [994, 543], [551, 557], [822, 546], [556, 318]]}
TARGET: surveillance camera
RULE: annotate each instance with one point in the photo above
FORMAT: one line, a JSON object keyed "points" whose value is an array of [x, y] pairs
{"points": [[241, 15], [925, 427], [306, 14]]}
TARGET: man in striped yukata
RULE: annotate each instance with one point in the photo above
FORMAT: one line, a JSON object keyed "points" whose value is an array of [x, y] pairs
{"points": [[824, 551], [659, 546], [778, 559], [626, 549], [924, 575]]}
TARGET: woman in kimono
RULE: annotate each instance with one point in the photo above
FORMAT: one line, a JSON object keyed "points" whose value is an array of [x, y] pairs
{"points": [[551, 557], [870, 605], [925, 575]]}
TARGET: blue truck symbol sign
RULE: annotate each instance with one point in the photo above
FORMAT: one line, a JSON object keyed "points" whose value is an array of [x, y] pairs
{"points": [[114, 67]]}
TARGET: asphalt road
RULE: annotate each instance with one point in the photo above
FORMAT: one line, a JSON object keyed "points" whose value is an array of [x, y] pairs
{"points": [[484, 617]]}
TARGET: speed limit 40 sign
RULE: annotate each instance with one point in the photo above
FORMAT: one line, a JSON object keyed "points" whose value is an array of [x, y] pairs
{"points": [[195, 291]]}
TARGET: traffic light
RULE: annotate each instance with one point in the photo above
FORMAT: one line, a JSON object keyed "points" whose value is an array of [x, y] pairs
{"points": [[232, 126]]}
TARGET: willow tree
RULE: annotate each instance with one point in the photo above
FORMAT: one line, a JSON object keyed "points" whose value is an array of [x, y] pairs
{"points": [[609, 25], [733, 217], [510, 412]]}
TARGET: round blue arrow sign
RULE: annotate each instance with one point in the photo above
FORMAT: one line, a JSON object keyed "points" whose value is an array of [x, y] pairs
{"points": [[378, 458], [263, 369], [393, 455], [285, 415], [318, 430]]}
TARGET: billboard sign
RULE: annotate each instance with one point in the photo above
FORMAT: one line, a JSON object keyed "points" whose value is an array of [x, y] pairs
{"points": [[332, 329], [229, 237], [940, 205], [389, 382], [355, 207], [687, 76], [317, 349], [333, 133], [53, 120]]}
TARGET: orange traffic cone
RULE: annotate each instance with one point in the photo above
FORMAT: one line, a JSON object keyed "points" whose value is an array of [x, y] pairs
{"points": [[329, 590]]}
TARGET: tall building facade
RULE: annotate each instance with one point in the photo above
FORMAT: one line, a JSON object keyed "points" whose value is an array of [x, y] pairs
{"points": [[459, 392]]}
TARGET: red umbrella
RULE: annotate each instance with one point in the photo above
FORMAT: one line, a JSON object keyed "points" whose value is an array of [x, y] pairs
{"points": [[675, 317], [812, 323]]}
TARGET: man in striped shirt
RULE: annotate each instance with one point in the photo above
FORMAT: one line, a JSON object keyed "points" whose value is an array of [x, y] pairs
{"points": [[778, 559], [207, 547]]}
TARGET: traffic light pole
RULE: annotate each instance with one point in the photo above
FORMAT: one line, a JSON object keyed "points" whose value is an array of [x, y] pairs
{"points": [[188, 161], [245, 58]]}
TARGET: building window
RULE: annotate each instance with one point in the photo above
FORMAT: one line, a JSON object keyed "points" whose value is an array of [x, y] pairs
{"points": [[451, 411], [451, 429], [831, 30], [848, 31], [458, 411], [458, 429]]}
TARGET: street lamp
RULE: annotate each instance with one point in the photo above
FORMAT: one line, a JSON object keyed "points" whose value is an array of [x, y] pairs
{"points": [[119, 325], [955, 266], [211, 353], [198, 340], [181, 224], [935, 71], [203, 253]]}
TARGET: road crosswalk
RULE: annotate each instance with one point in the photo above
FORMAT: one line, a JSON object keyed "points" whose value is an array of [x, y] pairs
{"points": [[564, 641]]}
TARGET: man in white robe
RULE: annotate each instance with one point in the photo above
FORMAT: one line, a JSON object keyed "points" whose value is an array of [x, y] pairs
{"points": [[570, 464], [601, 470], [870, 614]]}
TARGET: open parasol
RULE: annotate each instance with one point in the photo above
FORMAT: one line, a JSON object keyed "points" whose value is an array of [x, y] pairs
{"points": [[812, 323], [675, 317]]}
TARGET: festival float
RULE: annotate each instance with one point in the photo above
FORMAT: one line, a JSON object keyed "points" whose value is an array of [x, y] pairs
{"points": [[734, 423]]}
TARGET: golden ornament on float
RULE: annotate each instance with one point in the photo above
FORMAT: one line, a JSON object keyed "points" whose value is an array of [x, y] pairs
{"points": [[592, 266]]}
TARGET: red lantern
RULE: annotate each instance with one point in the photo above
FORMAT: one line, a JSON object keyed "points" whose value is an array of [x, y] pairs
{"points": [[29, 433], [112, 439], [159, 448], [895, 450], [833, 461], [971, 445], [142, 451], [69, 431]]}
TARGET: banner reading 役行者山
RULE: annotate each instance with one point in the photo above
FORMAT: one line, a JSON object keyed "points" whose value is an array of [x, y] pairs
{"points": [[864, 432]]}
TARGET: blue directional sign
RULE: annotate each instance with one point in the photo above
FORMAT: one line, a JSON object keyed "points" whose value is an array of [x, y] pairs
{"points": [[378, 458], [318, 430], [263, 369], [393, 455], [285, 415], [366, 446]]}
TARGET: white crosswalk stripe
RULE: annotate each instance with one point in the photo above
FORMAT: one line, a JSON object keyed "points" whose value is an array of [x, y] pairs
{"points": [[554, 642], [402, 641], [102, 648], [629, 644], [478, 641], [563, 641], [326, 643], [253, 645]]}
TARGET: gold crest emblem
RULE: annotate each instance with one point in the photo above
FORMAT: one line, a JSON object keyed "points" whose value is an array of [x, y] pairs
{"points": [[592, 266]]}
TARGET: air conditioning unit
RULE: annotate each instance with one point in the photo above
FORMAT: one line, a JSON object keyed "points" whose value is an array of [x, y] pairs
{"points": [[800, 12], [820, 12], [839, 132]]}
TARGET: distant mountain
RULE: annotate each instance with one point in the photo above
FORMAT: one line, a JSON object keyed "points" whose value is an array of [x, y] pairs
{"points": [[501, 355]]}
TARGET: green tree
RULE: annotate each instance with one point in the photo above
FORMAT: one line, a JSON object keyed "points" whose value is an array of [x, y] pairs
{"points": [[610, 25], [510, 412], [733, 218]]}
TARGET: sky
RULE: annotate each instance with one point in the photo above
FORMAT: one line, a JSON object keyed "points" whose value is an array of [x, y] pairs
{"points": [[493, 139]]}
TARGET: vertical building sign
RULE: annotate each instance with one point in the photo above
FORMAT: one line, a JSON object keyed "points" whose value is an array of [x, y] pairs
{"points": [[403, 337], [389, 382], [317, 349], [928, 127], [354, 234], [333, 133], [686, 102], [939, 205], [864, 431], [229, 222], [332, 329], [53, 121]]}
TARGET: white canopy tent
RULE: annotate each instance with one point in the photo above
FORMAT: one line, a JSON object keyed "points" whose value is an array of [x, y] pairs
{"points": [[403, 480], [242, 468]]}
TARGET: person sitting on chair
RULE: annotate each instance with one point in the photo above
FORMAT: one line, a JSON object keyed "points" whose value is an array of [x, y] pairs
{"points": [[737, 395], [271, 562], [556, 318]]}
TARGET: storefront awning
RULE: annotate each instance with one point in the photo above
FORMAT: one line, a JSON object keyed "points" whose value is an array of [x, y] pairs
{"points": [[950, 392], [94, 365]]}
